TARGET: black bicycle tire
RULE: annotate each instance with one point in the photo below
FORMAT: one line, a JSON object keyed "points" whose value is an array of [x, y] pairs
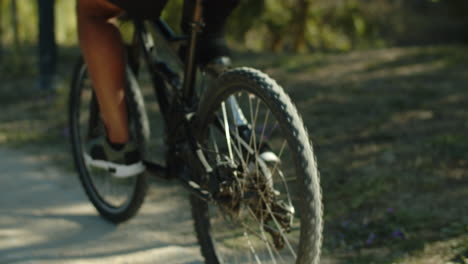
{"points": [[273, 95], [137, 112]]}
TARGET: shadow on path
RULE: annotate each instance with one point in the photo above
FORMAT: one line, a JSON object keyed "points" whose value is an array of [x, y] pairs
{"points": [[46, 218]]}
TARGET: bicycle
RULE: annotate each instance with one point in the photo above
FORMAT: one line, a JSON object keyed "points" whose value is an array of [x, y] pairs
{"points": [[239, 147]]}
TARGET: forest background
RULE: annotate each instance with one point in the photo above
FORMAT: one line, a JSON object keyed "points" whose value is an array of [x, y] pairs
{"points": [[287, 25]]}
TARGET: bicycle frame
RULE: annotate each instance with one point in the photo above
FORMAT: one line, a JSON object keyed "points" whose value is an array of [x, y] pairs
{"points": [[177, 114], [168, 35], [161, 74]]}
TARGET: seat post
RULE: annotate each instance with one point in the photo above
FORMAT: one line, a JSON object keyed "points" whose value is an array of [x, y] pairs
{"points": [[196, 26]]}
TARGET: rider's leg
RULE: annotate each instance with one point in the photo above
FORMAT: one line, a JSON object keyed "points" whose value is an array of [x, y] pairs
{"points": [[216, 14], [103, 50]]}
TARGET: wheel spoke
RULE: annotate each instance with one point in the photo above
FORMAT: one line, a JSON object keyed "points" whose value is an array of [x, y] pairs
{"points": [[238, 138], [253, 120], [285, 184], [215, 146], [252, 249], [263, 128], [227, 132], [279, 156], [265, 239], [262, 237], [280, 229]]}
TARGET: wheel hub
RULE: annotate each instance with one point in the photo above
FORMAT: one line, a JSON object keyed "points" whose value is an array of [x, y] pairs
{"points": [[240, 189]]}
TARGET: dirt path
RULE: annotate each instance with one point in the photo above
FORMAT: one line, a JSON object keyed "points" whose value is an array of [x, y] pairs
{"points": [[46, 218]]}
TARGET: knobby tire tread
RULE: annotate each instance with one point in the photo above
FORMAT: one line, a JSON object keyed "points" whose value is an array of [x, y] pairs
{"points": [[282, 107]]}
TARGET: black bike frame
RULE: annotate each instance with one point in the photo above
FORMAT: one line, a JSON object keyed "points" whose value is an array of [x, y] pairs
{"points": [[177, 114], [160, 72]]}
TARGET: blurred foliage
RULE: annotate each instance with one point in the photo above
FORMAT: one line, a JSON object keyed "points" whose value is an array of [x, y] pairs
{"points": [[173, 13], [19, 33], [287, 25], [27, 19], [350, 24]]}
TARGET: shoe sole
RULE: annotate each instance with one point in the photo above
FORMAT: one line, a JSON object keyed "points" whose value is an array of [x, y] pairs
{"points": [[117, 170]]}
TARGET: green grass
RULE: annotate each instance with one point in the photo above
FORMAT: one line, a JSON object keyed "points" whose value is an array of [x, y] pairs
{"points": [[390, 131], [31, 118]]}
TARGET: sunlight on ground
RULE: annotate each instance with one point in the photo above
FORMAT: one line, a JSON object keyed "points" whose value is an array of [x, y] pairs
{"points": [[18, 237]]}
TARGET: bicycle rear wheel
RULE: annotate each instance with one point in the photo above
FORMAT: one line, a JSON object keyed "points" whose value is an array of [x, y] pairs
{"points": [[116, 199], [268, 209]]}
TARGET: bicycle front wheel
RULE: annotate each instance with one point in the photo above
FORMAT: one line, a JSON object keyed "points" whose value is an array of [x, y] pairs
{"points": [[268, 208], [116, 199]]}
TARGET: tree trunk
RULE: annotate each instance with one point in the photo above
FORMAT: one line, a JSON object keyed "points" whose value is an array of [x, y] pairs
{"points": [[47, 45], [276, 42], [300, 42], [14, 23], [1, 30], [275, 37]]}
